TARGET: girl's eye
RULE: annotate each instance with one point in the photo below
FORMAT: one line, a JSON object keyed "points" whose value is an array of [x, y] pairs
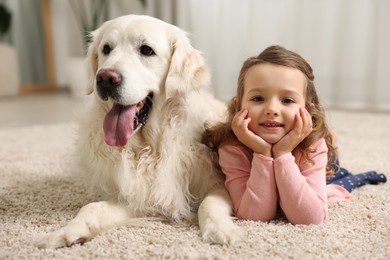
{"points": [[288, 101], [257, 99]]}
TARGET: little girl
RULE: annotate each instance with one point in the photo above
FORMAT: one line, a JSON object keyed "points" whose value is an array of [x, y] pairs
{"points": [[275, 146]]}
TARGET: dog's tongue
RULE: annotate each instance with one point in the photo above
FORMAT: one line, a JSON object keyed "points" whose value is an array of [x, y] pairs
{"points": [[118, 125]]}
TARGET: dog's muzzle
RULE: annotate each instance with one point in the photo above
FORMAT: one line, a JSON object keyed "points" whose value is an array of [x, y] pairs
{"points": [[108, 82]]}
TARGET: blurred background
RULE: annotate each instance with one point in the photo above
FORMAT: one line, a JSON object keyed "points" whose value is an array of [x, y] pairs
{"points": [[42, 46]]}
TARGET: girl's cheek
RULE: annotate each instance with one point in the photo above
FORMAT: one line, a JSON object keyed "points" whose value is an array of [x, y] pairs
{"points": [[291, 119], [251, 113], [243, 106], [252, 126]]}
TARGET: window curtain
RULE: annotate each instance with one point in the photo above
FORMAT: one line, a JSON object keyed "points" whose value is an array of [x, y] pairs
{"points": [[27, 36], [346, 42]]}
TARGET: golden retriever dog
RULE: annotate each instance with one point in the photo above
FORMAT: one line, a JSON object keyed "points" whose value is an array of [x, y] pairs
{"points": [[141, 137]]}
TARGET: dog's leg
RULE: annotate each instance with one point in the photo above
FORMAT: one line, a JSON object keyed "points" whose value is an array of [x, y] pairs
{"points": [[90, 221], [216, 221]]}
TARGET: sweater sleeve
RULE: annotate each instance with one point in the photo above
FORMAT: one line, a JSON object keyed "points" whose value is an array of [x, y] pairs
{"points": [[250, 182], [302, 187]]}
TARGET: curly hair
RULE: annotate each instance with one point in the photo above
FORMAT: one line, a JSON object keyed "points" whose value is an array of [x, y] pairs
{"points": [[222, 133]]}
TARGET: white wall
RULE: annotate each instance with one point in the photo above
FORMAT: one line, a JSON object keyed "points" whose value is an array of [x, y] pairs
{"points": [[346, 41], [66, 33]]}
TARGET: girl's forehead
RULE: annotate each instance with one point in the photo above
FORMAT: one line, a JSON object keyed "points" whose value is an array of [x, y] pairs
{"points": [[269, 69], [270, 76]]}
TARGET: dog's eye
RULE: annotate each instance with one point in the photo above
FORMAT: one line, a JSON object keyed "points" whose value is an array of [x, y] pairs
{"points": [[107, 49], [146, 50]]}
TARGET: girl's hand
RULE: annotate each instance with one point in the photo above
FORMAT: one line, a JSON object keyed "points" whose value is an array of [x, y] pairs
{"points": [[254, 142], [302, 128]]}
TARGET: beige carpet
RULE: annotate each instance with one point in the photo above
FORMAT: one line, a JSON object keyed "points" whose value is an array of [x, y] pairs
{"points": [[38, 194]]}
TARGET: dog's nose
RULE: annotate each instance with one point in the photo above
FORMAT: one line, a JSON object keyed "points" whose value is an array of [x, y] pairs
{"points": [[108, 78], [108, 82]]}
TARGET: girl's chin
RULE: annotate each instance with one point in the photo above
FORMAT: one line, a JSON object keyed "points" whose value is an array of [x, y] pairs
{"points": [[271, 139]]}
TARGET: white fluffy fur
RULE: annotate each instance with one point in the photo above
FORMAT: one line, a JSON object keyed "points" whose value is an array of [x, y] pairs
{"points": [[164, 170]]}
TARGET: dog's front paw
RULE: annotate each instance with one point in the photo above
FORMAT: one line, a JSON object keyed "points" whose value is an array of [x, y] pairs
{"points": [[66, 236], [224, 234]]}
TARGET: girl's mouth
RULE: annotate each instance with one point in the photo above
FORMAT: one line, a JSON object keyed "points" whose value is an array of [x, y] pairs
{"points": [[272, 125]]}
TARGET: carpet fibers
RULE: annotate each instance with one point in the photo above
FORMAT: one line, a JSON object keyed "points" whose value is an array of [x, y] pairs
{"points": [[38, 194]]}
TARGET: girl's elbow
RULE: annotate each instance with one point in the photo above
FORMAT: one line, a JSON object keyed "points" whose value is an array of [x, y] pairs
{"points": [[313, 221], [310, 219], [263, 216]]}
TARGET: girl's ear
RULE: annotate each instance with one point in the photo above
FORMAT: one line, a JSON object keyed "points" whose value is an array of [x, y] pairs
{"points": [[310, 107], [235, 104]]}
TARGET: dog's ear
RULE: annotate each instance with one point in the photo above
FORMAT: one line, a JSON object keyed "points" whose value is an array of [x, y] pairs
{"points": [[92, 60], [187, 68]]}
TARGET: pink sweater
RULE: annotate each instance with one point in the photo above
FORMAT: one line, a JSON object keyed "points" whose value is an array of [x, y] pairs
{"points": [[258, 184]]}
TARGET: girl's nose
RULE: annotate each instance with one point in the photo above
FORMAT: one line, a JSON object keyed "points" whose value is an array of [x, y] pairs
{"points": [[271, 109], [272, 113]]}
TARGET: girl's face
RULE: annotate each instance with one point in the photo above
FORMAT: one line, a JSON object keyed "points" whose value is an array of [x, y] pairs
{"points": [[273, 95]]}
